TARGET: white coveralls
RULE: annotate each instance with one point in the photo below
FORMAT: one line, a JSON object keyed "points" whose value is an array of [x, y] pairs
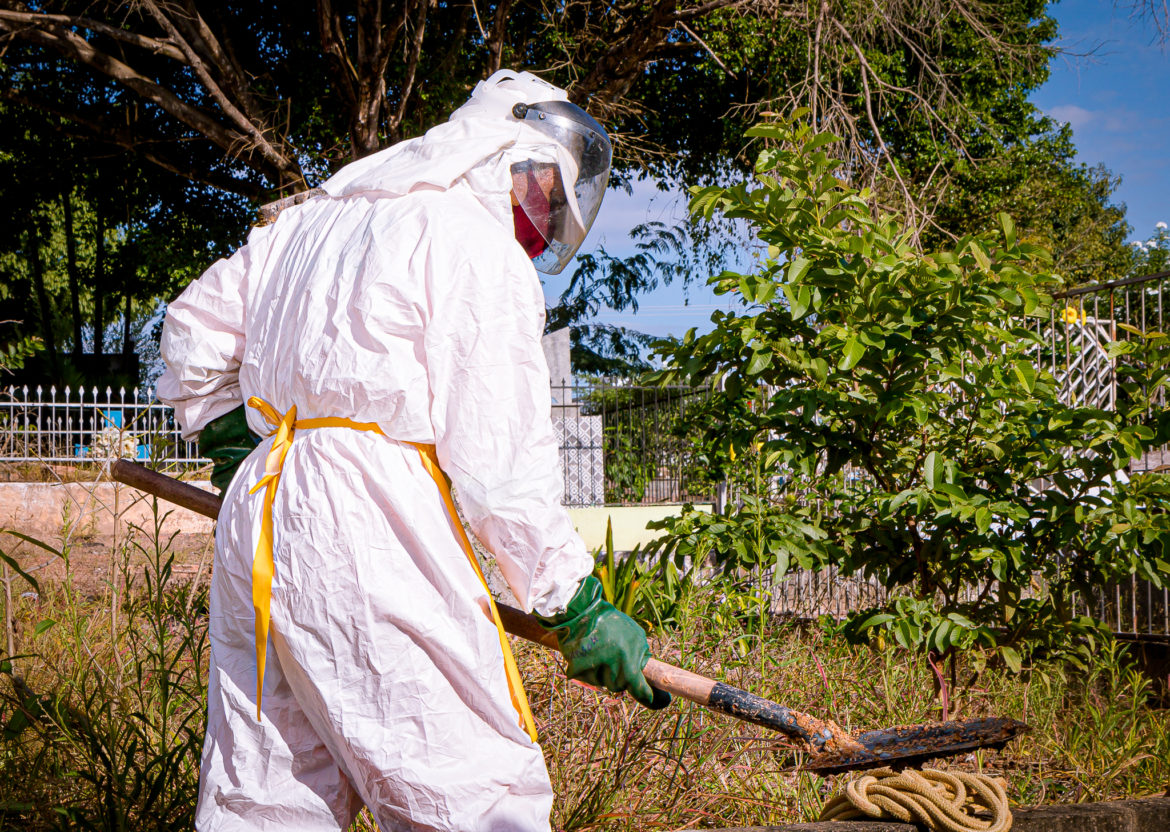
{"points": [[403, 299]]}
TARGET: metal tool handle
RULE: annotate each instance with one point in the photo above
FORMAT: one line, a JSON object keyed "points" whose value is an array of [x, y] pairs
{"points": [[674, 680]]}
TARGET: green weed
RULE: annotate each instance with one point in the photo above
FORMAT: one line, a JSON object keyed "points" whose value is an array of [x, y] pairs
{"points": [[101, 716]]}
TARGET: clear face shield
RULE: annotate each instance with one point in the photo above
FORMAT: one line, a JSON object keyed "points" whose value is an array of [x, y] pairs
{"points": [[561, 200]]}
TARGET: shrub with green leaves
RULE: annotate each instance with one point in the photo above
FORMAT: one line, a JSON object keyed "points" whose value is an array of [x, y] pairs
{"points": [[900, 396]]}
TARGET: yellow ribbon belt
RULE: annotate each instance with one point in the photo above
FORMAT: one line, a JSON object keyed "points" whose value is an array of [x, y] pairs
{"points": [[263, 568]]}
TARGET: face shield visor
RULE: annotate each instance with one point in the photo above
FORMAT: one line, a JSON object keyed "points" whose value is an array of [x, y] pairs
{"points": [[561, 200]]}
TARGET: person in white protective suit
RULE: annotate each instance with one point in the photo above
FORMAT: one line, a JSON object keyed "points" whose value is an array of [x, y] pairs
{"points": [[384, 333]]}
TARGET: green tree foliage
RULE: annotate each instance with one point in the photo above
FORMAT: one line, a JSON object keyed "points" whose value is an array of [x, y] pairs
{"points": [[88, 239], [1061, 205], [251, 98], [904, 401], [1152, 255]]}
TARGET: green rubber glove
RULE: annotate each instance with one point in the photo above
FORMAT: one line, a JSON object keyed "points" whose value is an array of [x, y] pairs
{"points": [[603, 646], [226, 441]]}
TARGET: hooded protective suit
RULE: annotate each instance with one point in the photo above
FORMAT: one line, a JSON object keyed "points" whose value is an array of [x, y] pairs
{"points": [[401, 299]]}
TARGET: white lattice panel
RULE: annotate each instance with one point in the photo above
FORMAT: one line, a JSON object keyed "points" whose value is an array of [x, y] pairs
{"points": [[582, 460], [1086, 378]]}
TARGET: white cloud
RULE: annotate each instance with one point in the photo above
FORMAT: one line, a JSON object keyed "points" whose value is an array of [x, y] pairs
{"points": [[1076, 116]]}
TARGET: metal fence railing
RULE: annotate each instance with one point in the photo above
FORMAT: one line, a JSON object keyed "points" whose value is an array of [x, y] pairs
{"points": [[624, 444], [619, 443], [80, 426], [1085, 320], [1134, 607]]}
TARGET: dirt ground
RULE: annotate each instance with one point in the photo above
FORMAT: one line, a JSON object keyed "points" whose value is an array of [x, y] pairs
{"points": [[88, 522]]}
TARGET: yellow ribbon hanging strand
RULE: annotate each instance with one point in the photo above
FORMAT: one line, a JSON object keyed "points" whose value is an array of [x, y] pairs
{"points": [[515, 684], [263, 568], [262, 563]]}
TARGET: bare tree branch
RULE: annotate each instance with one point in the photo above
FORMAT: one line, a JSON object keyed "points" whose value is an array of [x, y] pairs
{"points": [[105, 132], [280, 161], [234, 143], [232, 77], [333, 45], [152, 45], [911, 203], [706, 9], [1155, 11], [703, 44], [416, 43], [618, 67], [495, 38]]}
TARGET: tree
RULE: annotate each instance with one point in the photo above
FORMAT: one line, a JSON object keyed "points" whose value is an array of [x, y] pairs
{"points": [[251, 98], [1062, 205], [250, 82], [1152, 255], [89, 236], [904, 399]]}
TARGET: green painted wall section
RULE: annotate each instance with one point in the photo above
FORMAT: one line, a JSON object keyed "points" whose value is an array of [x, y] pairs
{"points": [[629, 523]]}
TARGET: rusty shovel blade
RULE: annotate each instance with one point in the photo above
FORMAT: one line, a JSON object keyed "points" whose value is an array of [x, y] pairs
{"points": [[900, 747]]}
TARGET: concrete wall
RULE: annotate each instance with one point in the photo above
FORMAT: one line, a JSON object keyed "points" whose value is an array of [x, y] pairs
{"points": [[629, 523], [560, 369], [43, 510], [47, 510]]}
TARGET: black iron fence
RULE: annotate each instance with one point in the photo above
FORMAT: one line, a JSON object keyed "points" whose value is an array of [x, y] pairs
{"points": [[624, 444]]}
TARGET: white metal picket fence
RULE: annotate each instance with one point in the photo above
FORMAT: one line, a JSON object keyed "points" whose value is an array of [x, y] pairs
{"points": [[80, 425], [618, 442]]}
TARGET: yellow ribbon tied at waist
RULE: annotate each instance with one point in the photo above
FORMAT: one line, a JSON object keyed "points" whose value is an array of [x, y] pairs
{"points": [[283, 429]]}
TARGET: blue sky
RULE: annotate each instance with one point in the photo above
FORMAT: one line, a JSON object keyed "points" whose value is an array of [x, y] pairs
{"points": [[1112, 84], [1112, 87]]}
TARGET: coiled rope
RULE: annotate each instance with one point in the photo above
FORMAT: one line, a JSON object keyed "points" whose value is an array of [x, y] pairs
{"points": [[941, 800]]}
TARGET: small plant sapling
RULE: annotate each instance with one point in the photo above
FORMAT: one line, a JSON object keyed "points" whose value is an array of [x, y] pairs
{"points": [[903, 399]]}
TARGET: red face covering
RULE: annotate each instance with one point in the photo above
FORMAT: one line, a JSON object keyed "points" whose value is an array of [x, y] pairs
{"points": [[529, 234]]}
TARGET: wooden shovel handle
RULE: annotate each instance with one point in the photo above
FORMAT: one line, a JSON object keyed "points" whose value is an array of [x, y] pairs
{"points": [[667, 677], [674, 680], [166, 488]]}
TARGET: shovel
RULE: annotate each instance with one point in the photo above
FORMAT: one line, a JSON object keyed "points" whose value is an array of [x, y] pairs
{"points": [[830, 748]]}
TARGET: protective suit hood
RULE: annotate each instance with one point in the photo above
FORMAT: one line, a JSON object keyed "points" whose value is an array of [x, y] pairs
{"points": [[479, 143]]}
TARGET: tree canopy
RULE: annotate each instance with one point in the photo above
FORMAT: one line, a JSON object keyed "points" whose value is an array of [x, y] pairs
{"points": [[251, 97], [244, 100]]}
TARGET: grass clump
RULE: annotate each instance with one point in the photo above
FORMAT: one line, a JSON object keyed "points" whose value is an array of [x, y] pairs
{"points": [[1095, 735], [101, 716], [101, 707]]}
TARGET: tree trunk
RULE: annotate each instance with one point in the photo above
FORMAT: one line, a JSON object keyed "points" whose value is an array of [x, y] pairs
{"points": [[127, 343], [36, 267], [99, 283], [71, 268]]}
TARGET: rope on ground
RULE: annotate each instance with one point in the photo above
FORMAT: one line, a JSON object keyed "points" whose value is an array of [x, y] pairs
{"points": [[941, 800]]}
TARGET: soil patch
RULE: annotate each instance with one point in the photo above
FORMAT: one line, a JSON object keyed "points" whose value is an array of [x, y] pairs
{"points": [[88, 522]]}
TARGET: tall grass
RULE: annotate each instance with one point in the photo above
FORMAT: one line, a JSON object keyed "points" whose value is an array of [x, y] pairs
{"points": [[102, 710], [1095, 736], [101, 716]]}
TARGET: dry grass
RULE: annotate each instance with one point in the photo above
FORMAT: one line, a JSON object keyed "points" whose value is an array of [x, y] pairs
{"points": [[616, 767], [103, 729]]}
